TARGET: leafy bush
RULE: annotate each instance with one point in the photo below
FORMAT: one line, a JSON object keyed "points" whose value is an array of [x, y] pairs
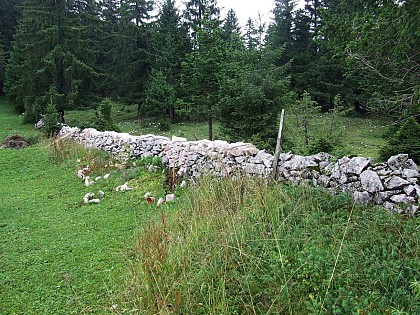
{"points": [[405, 140], [321, 144], [164, 124], [51, 121], [103, 120]]}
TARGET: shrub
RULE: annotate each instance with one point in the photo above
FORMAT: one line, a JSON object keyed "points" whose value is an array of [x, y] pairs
{"points": [[405, 140], [51, 121], [321, 144], [164, 124], [103, 120]]}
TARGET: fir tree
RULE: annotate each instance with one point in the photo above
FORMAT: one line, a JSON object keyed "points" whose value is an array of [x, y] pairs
{"points": [[49, 60]]}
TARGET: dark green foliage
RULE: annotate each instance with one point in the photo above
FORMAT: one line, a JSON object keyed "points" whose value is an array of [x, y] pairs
{"points": [[405, 140], [169, 43], [231, 27], [9, 16], [195, 12], [51, 120], [51, 54], [379, 40], [251, 99], [321, 144], [103, 119], [125, 49], [280, 32], [160, 97], [201, 71]]}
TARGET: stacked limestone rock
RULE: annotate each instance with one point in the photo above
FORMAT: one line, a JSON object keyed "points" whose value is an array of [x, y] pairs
{"points": [[393, 185]]}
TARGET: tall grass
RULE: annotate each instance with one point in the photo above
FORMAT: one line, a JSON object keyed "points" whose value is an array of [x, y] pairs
{"points": [[246, 246]]}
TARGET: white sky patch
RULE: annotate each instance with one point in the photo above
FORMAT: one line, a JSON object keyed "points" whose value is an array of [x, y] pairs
{"points": [[246, 9]]}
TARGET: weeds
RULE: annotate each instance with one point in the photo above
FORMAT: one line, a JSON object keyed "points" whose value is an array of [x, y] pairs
{"points": [[245, 246]]}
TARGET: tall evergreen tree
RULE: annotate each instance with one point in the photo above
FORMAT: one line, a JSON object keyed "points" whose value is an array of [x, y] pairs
{"points": [[379, 40], [125, 58], [280, 31], [230, 27], [49, 62], [253, 90], [169, 43], [195, 12], [202, 68], [250, 36], [9, 15]]}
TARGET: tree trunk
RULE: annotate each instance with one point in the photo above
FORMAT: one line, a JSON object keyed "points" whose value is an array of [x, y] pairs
{"points": [[172, 115], [61, 113], [305, 129], [210, 129]]}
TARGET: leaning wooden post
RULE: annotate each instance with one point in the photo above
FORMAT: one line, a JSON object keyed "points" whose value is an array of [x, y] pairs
{"points": [[278, 147]]}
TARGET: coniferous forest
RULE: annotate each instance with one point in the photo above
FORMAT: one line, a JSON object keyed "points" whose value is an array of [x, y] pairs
{"points": [[194, 64]]}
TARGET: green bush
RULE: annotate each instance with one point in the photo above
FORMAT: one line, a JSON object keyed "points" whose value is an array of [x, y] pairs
{"points": [[405, 140], [51, 121], [103, 120], [164, 124], [321, 144]]}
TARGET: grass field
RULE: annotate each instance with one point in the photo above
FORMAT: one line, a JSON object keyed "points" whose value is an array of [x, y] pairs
{"points": [[223, 247], [56, 256]]}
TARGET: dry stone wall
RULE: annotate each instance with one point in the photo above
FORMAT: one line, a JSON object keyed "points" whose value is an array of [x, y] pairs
{"points": [[393, 185]]}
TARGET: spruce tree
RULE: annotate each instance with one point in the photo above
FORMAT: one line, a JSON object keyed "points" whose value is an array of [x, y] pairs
{"points": [[231, 29], [49, 60], [253, 91], [195, 12], [125, 58], [280, 30], [169, 43], [201, 71]]}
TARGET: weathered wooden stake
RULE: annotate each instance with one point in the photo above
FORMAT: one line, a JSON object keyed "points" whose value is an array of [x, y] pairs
{"points": [[278, 147]]}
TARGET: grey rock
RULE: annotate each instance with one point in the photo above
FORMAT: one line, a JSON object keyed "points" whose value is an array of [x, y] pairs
{"points": [[286, 156], [400, 162], [400, 198], [362, 197], [320, 157], [384, 196], [389, 205], [395, 182], [323, 180], [417, 188], [412, 180], [409, 173], [371, 182], [323, 165], [357, 165], [343, 179], [410, 190], [344, 160], [351, 187], [414, 210]]}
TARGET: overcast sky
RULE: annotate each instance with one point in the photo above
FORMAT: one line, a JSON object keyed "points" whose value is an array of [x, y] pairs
{"points": [[248, 8]]}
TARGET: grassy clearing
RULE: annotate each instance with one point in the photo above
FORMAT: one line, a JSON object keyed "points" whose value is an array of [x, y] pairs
{"points": [[57, 256], [248, 247], [127, 120], [11, 124]]}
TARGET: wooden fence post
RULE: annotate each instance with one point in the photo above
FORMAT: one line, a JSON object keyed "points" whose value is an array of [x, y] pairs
{"points": [[278, 147]]}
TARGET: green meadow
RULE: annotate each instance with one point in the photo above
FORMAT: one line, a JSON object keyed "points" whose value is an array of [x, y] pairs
{"points": [[243, 246]]}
